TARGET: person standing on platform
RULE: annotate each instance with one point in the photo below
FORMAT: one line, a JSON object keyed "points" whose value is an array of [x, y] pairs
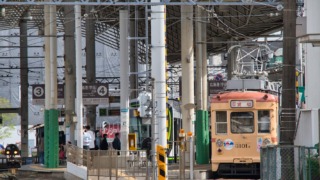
{"points": [[93, 138], [62, 155], [116, 144], [98, 140], [86, 139], [41, 148], [104, 143]]}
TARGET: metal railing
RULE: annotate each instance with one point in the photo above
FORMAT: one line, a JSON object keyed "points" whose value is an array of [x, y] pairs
{"points": [[289, 162], [183, 159], [110, 163]]}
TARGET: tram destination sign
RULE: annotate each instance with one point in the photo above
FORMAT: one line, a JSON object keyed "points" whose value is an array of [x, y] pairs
{"points": [[241, 103], [92, 94]]}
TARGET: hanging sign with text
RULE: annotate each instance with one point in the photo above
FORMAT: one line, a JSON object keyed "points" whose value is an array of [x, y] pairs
{"points": [[92, 94]]}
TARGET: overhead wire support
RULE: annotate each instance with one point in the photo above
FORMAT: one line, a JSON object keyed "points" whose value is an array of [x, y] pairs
{"points": [[135, 3]]}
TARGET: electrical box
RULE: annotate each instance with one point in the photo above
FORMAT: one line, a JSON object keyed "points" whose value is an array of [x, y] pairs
{"points": [[132, 137]]}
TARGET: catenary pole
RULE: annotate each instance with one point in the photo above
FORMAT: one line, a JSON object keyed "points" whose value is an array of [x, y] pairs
{"points": [[124, 79], [79, 103]]}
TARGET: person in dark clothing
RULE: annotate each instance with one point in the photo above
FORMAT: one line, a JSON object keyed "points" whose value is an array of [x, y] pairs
{"points": [[104, 143], [116, 144]]}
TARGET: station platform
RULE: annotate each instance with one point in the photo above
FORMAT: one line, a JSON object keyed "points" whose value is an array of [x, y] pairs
{"points": [[38, 171], [34, 172]]}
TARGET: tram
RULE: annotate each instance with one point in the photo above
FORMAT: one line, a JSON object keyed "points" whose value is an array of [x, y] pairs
{"points": [[244, 118], [12, 151], [242, 122]]}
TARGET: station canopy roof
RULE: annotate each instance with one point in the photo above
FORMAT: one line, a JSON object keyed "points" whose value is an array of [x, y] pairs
{"points": [[227, 21]]}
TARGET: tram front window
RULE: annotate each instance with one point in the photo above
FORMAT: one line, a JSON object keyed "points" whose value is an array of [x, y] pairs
{"points": [[242, 122], [221, 122]]}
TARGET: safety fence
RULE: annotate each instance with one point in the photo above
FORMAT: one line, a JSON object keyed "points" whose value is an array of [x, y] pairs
{"points": [[289, 163], [181, 159], [110, 164]]}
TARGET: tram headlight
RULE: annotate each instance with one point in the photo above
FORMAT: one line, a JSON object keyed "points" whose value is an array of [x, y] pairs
{"points": [[266, 142], [219, 143], [15, 152], [7, 152]]}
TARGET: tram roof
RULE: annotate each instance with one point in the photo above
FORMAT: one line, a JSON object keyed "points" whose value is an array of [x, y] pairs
{"points": [[244, 95]]}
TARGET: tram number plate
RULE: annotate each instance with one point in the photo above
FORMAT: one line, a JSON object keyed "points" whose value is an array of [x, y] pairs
{"points": [[242, 146]]}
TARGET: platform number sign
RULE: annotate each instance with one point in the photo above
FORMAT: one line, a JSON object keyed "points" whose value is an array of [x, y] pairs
{"points": [[38, 91], [92, 93], [102, 90]]}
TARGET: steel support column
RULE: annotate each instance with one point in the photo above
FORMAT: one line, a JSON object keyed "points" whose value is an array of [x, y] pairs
{"points": [[70, 70], [158, 70], [187, 63], [288, 121], [288, 109], [133, 53], [24, 85], [124, 79], [199, 46], [90, 62], [204, 61], [79, 103], [51, 128]]}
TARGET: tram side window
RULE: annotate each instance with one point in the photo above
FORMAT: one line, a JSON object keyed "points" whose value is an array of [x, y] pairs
{"points": [[221, 122], [263, 121], [242, 122]]}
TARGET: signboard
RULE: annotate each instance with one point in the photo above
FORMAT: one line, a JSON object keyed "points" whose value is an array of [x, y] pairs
{"points": [[241, 103], [110, 130], [91, 93], [95, 94], [214, 87], [38, 94]]}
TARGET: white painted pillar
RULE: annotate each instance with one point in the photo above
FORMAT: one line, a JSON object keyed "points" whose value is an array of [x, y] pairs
{"points": [[70, 74], [204, 61], [158, 70], [187, 63], [47, 56], [312, 56], [79, 103], [50, 58], [124, 79], [313, 64], [199, 88]]}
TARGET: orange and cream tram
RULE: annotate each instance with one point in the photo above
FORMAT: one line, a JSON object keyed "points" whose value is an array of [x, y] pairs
{"points": [[242, 122]]}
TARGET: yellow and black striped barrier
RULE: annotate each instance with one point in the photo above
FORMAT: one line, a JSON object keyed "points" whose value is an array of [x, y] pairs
{"points": [[162, 162]]}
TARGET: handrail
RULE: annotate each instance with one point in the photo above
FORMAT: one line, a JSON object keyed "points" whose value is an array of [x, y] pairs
{"points": [[109, 163], [297, 125]]}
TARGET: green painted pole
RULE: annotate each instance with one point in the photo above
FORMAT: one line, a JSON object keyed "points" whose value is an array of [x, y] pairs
{"points": [[51, 140], [46, 137], [202, 137]]}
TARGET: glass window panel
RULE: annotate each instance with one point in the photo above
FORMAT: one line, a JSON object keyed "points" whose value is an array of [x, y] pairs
{"points": [[264, 121], [221, 122], [242, 122]]}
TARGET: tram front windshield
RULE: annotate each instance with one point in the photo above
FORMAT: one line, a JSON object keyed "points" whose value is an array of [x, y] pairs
{"points": [[242, 122]]}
